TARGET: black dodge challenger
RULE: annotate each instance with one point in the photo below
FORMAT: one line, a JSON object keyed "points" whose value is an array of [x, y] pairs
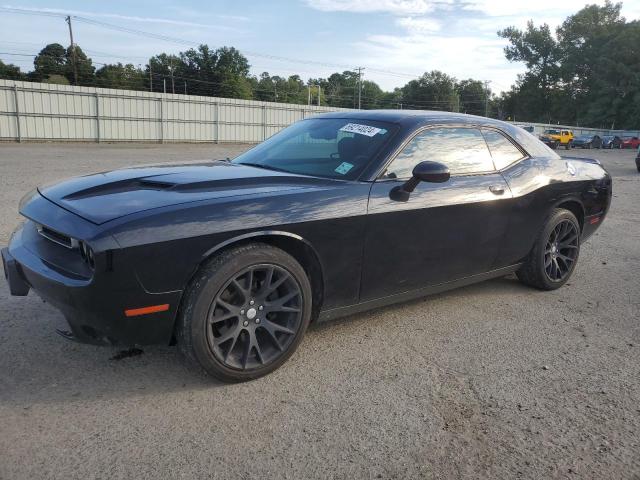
{"points": [[335, 214]]}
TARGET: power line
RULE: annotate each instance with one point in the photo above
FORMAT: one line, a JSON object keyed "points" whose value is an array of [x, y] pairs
{"points": [[181, 41]]}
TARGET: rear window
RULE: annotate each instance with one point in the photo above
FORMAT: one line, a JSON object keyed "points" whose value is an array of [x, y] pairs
{"points": [[504, 152]]}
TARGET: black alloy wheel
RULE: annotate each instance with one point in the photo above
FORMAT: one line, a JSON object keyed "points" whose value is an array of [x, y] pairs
{"points": [[561, 251], [254, 317], [245, 312], [555, 252]]}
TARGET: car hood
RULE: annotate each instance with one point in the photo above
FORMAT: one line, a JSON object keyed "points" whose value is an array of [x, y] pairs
{"points": [[106, 196]]}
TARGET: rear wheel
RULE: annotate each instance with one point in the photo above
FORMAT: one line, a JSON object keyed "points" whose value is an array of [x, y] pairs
{"points": [[555, 253], [245, 312]]}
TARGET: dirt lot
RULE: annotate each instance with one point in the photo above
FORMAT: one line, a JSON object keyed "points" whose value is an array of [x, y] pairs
{"points": [[491, 381]]}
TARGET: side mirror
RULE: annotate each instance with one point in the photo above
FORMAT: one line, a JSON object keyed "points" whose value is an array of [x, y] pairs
{"points": [[433, 172]]}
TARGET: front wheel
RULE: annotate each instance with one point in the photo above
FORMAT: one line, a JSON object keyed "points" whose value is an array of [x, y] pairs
{"points": [[555, 253], [245, 312]]}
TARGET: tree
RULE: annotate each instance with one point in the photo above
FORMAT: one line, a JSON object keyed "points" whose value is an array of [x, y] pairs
{"points": [[599, 64], [83, 65], [11, 72], [472, 96], [539, 51], [223, 72], [50, 61], [121, 76], [432, 91]]}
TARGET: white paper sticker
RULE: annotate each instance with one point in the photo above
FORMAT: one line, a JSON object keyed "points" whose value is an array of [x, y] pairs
{"points": [[343, 168], [360, 129]]}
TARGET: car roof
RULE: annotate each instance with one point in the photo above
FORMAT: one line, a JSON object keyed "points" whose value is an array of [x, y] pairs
{"points": [[414, 117]]}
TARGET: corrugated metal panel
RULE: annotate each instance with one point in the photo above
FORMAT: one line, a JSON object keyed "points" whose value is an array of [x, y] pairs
{"points": [[62, 112]]}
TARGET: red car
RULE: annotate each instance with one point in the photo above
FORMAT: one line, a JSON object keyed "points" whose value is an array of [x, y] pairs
{"points": [[630, 142]]}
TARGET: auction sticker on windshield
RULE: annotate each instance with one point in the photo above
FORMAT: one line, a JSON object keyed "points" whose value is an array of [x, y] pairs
{"points": [[343, 168], [360, 129]]}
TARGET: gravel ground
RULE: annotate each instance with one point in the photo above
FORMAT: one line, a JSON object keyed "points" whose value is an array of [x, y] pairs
{"points": [[495, 380]]}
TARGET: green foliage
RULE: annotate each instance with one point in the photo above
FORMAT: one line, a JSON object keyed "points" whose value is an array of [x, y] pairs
{"points": [[589, 76], [56, 79], [120, 76], [432, 91], [11, 72], [50, 61]]}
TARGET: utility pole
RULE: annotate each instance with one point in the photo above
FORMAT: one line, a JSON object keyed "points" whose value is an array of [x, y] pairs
{"points": [[309, 92], [73, 52], [486, 97], [164, 85], [319, 93], [173, 85], [185, 87], [359, 69], [150, 79]]}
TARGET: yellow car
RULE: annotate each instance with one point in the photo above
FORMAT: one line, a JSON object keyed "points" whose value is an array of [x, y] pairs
{"points": [[555, 138]]}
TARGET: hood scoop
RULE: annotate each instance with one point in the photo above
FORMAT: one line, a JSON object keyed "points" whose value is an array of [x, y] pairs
{"points": [[122, 186]]}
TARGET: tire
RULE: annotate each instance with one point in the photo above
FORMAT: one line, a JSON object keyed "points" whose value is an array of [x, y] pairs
{"points": [[261, 335], [567, 146], [538, 269]]}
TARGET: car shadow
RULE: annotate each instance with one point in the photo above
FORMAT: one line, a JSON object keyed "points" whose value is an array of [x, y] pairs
{"points": [[40, 367]]}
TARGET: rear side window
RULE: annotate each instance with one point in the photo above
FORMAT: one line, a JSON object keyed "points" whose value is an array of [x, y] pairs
{"points": [[463, 150], [504, 152]]}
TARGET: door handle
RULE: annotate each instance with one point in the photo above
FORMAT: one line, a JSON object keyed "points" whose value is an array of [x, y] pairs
{"points": [[496, 189]]}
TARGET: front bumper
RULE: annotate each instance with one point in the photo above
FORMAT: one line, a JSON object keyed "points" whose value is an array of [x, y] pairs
{"points": [[94, 308], [17, 286]]}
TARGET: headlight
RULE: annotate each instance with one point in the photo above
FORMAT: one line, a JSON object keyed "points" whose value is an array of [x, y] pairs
{"points": [[27, 198]]}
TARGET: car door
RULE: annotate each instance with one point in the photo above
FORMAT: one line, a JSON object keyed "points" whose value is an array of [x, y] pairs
{"points": [[444, 231]]}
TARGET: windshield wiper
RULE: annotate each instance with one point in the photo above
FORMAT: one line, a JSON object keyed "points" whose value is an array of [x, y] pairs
{"points": [[265, 167]]}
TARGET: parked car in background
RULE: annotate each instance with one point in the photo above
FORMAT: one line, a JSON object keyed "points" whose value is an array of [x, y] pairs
{"points": [[638, 160], [630, 142], [527, 128], [611, 141], [552, 143], [554, 138], [587, 141]]}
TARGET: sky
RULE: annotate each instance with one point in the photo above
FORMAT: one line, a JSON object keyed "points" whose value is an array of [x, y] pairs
{"points": [[394, 40]]}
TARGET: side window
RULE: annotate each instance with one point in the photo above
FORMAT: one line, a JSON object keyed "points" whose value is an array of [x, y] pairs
{"points": [[504, 152], [463, 150]]}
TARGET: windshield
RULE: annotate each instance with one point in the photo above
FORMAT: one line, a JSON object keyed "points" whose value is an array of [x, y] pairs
{"points": [[322, 147], [552, 132]]}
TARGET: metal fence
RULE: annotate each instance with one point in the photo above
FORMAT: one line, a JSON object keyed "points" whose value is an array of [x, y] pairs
{"points": [[44, 112]]}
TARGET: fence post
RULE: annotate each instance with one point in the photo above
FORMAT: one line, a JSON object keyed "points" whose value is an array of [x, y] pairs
{"points": [[217, 121], [264, 122], [15, 96], [97, 118], [161, 120]]}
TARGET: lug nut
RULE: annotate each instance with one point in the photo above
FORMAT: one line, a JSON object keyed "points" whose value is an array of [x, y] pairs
{"points": [[260, 307], [241, 312], [251, 302], [257, 320], [245, 323]]}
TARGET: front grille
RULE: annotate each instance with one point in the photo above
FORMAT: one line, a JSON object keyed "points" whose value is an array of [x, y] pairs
{"points": [[57, 237]]}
